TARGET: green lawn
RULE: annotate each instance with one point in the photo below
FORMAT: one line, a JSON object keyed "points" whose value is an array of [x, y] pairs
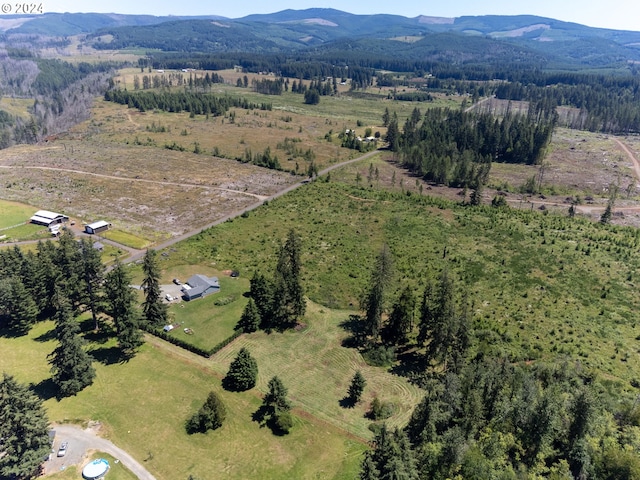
{"points": [[144, 402], [13, 214], [209, 322], [126, 239]]}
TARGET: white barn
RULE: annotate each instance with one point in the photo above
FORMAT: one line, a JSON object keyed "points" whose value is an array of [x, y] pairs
{"points": [[47, 218]]}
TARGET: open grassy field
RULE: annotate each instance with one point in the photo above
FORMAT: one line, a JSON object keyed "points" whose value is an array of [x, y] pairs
{"points": [[143, 404], [540, 285]]}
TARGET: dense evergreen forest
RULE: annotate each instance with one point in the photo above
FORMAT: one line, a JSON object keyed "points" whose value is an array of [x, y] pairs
{"points": [[456, 148]]}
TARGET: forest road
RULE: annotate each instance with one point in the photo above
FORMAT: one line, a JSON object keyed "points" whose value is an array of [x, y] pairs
{"points": [[81, 443]]}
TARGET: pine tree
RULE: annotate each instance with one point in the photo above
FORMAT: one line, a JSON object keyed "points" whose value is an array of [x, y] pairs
{"points": [[17, 305], [276, 406], [243, 372], [276, 400], [153, 309], [70, 363], [288, 294], [391, 457], [356, 387], [120, 306], [374, 299], [250, 320], [400, 320], [261, 292], [24, 430], [92, 277], [210, 416], [68, 263]]}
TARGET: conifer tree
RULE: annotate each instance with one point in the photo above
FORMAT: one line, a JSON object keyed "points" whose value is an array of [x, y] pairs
{"points": [[390, 458], [210, 416], [120, 305], [261, 292], [243, 372], [250, 320], [288, 294], [400, 320], [356, 387], [24, 430], [17, 305], [70, 363], [374, 299], [276, 407], [153, 309], [92, 277]]}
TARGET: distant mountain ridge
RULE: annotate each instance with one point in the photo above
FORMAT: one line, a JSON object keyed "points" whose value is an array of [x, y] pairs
{"points": [[298, 30]]}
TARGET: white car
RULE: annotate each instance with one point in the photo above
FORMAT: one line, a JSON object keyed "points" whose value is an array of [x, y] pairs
{"points": [[168, 297], [62, 451]]}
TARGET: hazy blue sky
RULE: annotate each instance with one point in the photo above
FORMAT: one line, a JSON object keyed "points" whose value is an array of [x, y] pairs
{"points": [[618, 14]]}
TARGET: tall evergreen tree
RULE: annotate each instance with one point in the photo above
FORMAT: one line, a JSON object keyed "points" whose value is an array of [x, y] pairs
{"points": [[120, 306], [91, 278], [210, 416], [24, 430], [401, 318], [262, 294], [17, 306], [374, 299], [153, 309], [250, 320], [70, 363], [444, 324], [288, 294], [68, 262], [390, 458], [243, 372]]}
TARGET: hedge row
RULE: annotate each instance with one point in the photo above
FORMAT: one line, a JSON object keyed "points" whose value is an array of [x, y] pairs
{"points": [[188, 346]]}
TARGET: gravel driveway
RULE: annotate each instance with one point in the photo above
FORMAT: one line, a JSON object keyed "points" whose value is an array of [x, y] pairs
{"points": [[80, 441]]}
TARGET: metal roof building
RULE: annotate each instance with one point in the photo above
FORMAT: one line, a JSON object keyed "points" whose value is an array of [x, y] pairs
{"points": [[47, 218]]}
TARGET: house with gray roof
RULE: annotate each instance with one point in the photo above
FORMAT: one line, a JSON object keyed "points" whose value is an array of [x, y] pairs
{"points": [[199, 286]]}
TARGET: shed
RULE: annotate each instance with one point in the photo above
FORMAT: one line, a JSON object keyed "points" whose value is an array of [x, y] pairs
{"points": [[200, 286], [97, 227], [47, 218]]}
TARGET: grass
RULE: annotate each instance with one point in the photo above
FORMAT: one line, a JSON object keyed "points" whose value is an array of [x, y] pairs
{"points": [[143, 404], [13, 214], [127, 239], [526, 273], [211, 323]]}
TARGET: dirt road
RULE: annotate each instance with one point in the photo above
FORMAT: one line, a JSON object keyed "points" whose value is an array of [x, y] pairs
{"points": [[83, 441]]}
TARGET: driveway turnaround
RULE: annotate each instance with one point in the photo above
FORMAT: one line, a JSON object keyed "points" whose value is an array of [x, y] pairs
{"points": [[79, 442]]}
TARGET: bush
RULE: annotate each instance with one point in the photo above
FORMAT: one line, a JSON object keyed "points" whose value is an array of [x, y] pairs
{"points": [[282, 422], [380, 356], [380, 410]]}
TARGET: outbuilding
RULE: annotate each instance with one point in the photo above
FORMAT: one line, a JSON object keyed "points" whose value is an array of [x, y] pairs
{"points": [[200, 286], [97, 227], [47, 218]]}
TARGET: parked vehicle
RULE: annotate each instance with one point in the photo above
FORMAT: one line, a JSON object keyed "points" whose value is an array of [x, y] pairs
{"points": [[62, 451]]}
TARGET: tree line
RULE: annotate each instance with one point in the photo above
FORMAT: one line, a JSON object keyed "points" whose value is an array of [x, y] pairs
{"points": [[195, 103]]}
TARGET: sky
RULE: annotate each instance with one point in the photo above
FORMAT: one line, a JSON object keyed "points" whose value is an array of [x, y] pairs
{"points": [[615, 14]]}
